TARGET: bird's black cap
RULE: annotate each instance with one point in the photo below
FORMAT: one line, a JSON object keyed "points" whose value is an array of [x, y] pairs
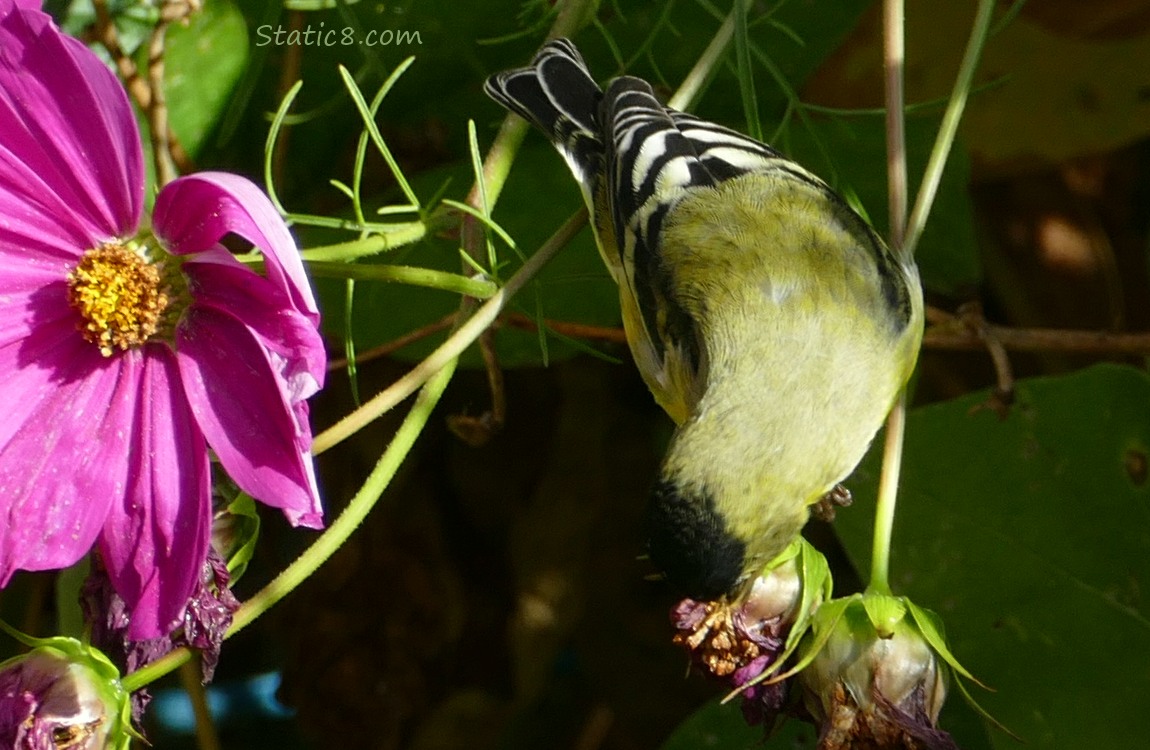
{"points": [[690, 543]]}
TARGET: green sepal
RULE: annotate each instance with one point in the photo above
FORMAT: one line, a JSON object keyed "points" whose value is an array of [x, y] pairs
{"points": [[242, 524], [823, 624], [931, 627], [885, 612], [815, 574], [816, 586]]}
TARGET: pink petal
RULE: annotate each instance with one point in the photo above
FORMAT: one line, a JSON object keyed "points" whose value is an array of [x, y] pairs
{"points": [[71, 168], [240, 403], [27, 311], [156, 538], [295, 344], [63, 452], [26, 4], [32, 369], [193, 213], [26, 273]]}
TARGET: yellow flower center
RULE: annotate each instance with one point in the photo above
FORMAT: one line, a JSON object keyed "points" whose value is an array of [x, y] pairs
{"points": [[120, 296]]}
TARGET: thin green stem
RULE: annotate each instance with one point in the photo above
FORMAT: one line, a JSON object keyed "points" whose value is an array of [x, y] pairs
{"points": [[776, 74], [357, 509], [904, 237], [146, 675], [500, 157], [331, 540], [932, 176], [207, 738], [349, 348], [746, 71], [411, 275], [572, 16], [373, 130], [887, 499], [270, 144], [938, 103], [893, 66], [395, 235], [464, 337], [894, 60], [694, 81]]}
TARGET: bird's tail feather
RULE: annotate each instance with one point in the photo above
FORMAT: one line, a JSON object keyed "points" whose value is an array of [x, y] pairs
{"points": [[557, 94]]}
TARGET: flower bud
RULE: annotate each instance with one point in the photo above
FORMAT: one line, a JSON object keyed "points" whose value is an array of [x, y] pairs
{"points": [[61, 695], [876, 681]]}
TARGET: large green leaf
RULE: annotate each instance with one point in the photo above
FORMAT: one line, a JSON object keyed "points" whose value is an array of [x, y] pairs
{"points": [[1030, 536], [203, 61], [722, 727]]}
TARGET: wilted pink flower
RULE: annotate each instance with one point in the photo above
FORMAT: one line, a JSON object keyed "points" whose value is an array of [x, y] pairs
{"points": [[123, 359], [203, 624], [737, 641]]}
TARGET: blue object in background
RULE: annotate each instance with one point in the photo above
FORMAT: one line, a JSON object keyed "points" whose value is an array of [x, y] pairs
{"points": [[238, 702]]}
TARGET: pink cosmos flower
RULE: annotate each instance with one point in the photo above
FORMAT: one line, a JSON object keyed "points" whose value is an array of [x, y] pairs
{"points": [[123, 359]]}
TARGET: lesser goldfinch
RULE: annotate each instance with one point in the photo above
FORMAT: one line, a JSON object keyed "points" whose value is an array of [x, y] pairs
{"points": [[766, 316]]}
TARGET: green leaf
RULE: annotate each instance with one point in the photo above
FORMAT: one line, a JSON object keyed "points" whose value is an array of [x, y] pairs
{"points": [[721, 726], [203, 61], [1030, 536], [367, 113]]}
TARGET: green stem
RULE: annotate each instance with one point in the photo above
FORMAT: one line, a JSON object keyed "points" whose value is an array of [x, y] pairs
{"points": [[450, 349], [932, 176], [414, 276], [894, 58], [688, 91], [357, 509], [893, 14], [331, 540], [396, 235], [157, 669], [572, 16], [207, 738], [746, 70], [894, 61], [887, 499]]}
